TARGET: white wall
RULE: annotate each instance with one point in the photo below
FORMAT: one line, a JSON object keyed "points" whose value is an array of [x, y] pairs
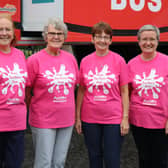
{"points": [[34, 16]]}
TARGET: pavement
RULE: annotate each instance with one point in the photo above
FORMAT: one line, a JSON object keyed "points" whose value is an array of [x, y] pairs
{"points": [[77, 155]]}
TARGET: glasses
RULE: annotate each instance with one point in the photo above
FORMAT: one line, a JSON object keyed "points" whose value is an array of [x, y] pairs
{"points": [[148, 39], [106, 38], [53, 34]]}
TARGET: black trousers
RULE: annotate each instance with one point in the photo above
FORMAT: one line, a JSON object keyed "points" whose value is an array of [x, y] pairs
{"points": [[152, 146]]}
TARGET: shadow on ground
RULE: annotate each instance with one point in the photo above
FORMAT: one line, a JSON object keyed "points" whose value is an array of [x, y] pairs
{"points": [[77, 156]]}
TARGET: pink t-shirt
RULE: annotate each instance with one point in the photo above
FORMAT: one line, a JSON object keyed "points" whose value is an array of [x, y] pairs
{"points": [[53, 79], [149, 82], [102, 78], [13, 79]]}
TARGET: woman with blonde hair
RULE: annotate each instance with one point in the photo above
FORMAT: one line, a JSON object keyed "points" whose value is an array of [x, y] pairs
{"points": [[13, 80]]}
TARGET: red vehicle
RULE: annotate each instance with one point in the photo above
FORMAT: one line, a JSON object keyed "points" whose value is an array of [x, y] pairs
{"points": [[125, 17]]}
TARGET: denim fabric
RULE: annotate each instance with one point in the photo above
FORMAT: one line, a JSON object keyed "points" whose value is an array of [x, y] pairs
{"points": [[103, 142]]}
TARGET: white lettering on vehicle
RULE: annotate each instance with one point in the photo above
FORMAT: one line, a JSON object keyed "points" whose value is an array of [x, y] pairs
{"points": [[153, 5]]}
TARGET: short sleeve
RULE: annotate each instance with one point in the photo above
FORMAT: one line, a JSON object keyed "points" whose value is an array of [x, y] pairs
{"points": [[81, 77], [124, 79], [32, 68], [76, 70]]}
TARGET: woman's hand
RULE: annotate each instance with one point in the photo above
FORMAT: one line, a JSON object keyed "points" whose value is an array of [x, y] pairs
{"points": [[78, 126], [166, 127], [80, 95], [124, 126]]}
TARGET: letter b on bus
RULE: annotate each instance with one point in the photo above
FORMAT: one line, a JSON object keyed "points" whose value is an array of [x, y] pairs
{"points": [[118, 6]]}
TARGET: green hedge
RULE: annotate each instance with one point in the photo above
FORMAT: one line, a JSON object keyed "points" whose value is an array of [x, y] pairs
{"points": [[29, 50]]}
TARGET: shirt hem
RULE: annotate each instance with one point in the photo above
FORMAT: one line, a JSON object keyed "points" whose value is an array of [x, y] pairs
{"points": [[58, 126]]}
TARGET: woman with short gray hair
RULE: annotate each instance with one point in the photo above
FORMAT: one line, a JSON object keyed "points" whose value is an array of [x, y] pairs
{"points": [[149, 28], [58, 24], [53, 76], [148, 74]]}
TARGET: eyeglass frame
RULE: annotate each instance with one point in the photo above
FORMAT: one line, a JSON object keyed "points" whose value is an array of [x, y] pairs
{"points": [[106, 38], [53, 34]]}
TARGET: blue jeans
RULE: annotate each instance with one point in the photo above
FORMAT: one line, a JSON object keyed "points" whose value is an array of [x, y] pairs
{"points": [[11, 149], [103, 142]]}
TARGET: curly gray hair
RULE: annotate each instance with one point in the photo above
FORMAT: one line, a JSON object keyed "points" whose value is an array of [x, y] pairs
{"points": [[58, 24], [149, 27]]}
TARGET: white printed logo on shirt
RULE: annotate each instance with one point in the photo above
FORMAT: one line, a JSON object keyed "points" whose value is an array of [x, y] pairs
{"points": [[104, 78], [151, 83], [61, 78], [15, 77]]}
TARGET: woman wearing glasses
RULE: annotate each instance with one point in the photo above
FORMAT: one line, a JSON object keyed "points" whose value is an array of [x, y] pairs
{"points": [[148, 104], [102, 100], [53, 75]]}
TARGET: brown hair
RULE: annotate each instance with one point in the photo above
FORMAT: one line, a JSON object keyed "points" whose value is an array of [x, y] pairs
{"points": [[8, 17], [100, 27]]}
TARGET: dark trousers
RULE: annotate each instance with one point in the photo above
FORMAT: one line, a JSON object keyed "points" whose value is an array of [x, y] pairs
{"points": [[11, 149], [152, 145], [103, 142]]}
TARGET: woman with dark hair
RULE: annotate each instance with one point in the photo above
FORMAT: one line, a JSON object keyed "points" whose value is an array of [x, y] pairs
{"points": [[102, 100], [13, 77]]}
